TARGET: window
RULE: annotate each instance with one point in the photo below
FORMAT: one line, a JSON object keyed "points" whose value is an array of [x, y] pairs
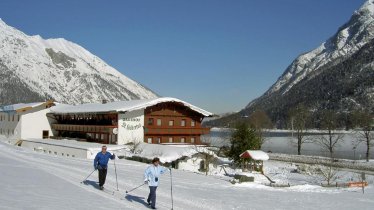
{"points": [[170, 139], [171, 122], [193, 123], [158, 140], [183, 122], [149, 140], [150, 121], [183, 140], [192, 140], [159, 122], [45, 134]]}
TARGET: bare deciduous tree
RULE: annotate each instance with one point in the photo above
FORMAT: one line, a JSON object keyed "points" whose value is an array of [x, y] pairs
{"points": [[134, 146], [299, 118], [364, 121], [330, 140], [260, 121], [328, 173]]}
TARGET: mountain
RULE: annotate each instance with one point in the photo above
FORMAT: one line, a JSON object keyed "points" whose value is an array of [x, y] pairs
{"points": [[337, 75], [35, 69]]}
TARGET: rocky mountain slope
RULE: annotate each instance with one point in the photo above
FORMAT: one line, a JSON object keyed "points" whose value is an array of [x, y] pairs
{"points": [[35, 69], [337, 75]]}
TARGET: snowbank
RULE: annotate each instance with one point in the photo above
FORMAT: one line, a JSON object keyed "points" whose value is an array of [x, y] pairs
{"points": [[166, 152], [339, 163]]}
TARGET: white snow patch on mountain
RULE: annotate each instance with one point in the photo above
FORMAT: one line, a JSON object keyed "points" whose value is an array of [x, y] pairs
{"points": [[348, 40], [63, 70]]}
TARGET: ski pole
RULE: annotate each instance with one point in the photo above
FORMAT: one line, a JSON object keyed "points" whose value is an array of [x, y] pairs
{"points": [[171, 190], [115, 170], [88, 176], [135, 188]]}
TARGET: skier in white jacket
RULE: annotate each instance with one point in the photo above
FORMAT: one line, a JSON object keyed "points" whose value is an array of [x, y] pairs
{"points": [[151, 177]]}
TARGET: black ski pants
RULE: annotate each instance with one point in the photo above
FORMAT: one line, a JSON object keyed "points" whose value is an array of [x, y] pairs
{"points": [[152, 196], [102, 176]]}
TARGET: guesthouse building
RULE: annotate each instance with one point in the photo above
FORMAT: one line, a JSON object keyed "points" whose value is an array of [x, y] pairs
{"points": [[156, 121]]}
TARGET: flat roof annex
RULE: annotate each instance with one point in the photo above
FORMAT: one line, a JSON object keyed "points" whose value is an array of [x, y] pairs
{"points": [[23, 106]]}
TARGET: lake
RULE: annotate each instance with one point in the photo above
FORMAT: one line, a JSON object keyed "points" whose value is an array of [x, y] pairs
{"points": [[283, 142]]}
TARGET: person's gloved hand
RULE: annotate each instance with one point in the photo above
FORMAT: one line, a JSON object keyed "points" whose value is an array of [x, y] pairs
{"points": [[113, 156], [146, 181], [95, 166], [99, 167]]}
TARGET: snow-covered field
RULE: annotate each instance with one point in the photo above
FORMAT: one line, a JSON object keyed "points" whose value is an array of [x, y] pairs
{"points": [[32, 180]]}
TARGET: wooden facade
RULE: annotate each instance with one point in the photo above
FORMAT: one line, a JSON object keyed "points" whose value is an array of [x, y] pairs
{"points": [[98, 128], [172, 123], [168, 122]]}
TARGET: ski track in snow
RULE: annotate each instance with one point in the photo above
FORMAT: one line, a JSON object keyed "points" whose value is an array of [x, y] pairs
{"points": [[57, 185]]}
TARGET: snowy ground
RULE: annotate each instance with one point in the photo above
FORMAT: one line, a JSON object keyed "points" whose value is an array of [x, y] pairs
{"points": [[31, 180]]}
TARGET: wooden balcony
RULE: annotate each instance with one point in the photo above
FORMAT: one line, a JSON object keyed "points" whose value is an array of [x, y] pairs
{"points": [[85, 128], [176, 131]]}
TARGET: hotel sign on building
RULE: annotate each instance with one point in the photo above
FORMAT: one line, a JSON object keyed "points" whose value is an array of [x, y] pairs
{"points": [[131, 126], [159, 120]]}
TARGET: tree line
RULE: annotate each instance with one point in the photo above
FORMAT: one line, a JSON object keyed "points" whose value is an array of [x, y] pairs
{"points": [[248, 132]]}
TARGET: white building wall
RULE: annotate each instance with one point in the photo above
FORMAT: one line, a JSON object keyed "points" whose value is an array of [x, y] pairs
{"points": [[131, 127], [34, 123], [22, 125], [10, 127]]}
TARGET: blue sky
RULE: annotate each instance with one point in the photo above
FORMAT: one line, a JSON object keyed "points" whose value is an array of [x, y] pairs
{"points": [[218, 55]]}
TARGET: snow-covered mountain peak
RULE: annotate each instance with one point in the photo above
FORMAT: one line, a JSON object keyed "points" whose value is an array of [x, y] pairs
{"points": [[358, 31], [61, 70], [367, 7]]}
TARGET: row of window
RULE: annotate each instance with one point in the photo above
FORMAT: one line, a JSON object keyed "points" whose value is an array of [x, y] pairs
{"points": [[6, 131], [183, 122], [157, 140], [9, 117], [55, 153], [102, 137]]}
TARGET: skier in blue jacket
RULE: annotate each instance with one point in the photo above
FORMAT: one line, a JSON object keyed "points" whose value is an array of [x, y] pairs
{"points": [[151, 177], [101, 163]]}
